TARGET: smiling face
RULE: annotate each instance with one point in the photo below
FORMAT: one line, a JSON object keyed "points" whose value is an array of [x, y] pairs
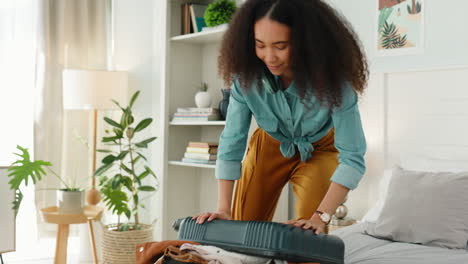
{"points": [[273, 46]]}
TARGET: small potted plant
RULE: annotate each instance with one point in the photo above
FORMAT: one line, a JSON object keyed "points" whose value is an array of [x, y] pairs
{"points": [[122, 180], [203, 97], [219, 12], [70, 198]]}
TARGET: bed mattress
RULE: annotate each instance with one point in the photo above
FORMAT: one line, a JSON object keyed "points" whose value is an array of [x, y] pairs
{"points": [[364, 249]]}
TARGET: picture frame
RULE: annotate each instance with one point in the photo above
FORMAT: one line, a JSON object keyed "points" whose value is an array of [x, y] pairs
{"points": [[399, 27]]}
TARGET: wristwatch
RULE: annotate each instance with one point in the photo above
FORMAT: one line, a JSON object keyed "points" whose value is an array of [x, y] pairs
{"points": [[326, 218]]}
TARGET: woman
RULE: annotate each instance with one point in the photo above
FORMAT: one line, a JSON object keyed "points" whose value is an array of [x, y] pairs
{"points": [[296, 66]]}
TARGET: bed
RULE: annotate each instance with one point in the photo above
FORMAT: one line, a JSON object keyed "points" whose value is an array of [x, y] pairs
{"points": [[417, 121], [364, 249]]}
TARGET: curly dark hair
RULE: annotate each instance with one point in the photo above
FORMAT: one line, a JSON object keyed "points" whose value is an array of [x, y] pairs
{"points": [[325, 49]]}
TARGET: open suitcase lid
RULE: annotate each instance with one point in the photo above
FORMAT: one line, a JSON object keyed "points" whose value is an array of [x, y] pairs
{"points": [[264, 239]]}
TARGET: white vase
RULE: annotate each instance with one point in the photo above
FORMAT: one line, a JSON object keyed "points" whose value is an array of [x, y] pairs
{"points": [[203, 99], [70, 202]]}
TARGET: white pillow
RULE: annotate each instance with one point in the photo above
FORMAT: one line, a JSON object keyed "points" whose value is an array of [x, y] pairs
{"points": [[413, 162], [374, 212], [427, 208]]}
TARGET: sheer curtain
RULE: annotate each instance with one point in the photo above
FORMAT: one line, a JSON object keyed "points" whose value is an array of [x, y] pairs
{"points": [[71, 34]]}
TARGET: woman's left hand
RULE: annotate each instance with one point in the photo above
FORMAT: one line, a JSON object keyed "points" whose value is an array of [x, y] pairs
{"points": [[314, 223]]}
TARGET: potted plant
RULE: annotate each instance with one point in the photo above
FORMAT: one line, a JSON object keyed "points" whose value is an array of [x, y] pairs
{"points": [[203, 97], [219, 12], [70, 199], [122, 177]]}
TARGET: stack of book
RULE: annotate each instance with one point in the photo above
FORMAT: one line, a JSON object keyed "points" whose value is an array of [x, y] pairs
{"points": [[192, 18], [201, 152], [193, 114]]}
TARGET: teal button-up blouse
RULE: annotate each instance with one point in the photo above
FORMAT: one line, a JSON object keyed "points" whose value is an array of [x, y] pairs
{"points": [[284, 117]]}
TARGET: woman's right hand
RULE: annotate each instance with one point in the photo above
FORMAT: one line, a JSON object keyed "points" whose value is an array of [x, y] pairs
{"points": [[208, 216]]}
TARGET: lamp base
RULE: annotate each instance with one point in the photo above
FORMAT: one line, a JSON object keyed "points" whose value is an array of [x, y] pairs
{"points": [[93, 196]]}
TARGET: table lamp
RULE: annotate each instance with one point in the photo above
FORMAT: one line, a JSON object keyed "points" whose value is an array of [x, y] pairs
{"points": [[93, 90]]}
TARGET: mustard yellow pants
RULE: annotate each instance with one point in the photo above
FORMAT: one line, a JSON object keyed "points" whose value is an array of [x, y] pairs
{"points": [[265, 172]]}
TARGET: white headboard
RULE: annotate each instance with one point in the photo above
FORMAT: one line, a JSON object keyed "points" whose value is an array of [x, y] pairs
{"points": [[7, 218], [422, 112], [427, 113]]}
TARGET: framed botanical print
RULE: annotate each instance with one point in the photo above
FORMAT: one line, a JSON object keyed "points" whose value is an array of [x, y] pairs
{"points": [[400, 27]]}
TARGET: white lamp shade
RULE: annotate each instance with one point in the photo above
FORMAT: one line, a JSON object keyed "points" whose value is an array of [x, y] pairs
{"points": [[85, 89]]}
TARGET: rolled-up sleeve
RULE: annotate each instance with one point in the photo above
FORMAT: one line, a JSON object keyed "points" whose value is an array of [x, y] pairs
{"points": [[349, 140], [233, 139]]}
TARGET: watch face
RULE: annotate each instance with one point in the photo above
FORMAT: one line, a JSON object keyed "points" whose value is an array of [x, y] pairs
{"points": [[325, 217]]}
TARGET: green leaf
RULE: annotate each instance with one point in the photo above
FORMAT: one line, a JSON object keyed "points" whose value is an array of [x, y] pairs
{"points": [[147, 188], [102, 169], [135, 161], [116, 181], [23, 169], [141, 155], [117, 104], [144, 143], [127, 182], [143, 124], [110, 139], [115, 200], [151, 172], [103, 150], [143, 175], [17, 201], [134, 97], [109, 159], [112, 122], [125, 168], [123, 119], [122, 155]]}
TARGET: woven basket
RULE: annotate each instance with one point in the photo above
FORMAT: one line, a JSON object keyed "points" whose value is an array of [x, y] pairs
{"points": [[119, 247]]}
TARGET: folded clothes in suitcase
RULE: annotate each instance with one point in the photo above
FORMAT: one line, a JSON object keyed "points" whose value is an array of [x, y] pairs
{"points": [[264, 239]]}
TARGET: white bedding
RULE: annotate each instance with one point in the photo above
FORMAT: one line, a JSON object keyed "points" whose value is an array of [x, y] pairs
{"points": [[364, 249]]}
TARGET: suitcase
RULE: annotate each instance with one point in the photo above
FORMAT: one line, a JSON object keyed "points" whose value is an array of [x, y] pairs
{"points": [[264, 239]]}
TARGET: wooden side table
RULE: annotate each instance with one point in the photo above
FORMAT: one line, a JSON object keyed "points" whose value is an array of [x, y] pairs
{"points": [[51, 215]]}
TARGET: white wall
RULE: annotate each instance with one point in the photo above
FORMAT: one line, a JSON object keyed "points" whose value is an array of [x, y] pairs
{"points": [[134, 52], [445, 34], [445, 45]]}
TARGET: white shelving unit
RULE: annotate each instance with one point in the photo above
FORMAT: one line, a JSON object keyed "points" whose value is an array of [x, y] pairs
{"points": [[190, 59], [188, 189]]}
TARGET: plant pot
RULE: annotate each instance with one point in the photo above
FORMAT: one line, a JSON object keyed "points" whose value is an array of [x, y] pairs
{"points": [[70, 202], [119, 247], [223, 104], [203, 99]]}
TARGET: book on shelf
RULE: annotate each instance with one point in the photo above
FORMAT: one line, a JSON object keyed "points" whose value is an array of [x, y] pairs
{"points": [[197, 13], [186, 23], [200, 156], [209, 162], [194, 118], [203, 110], [212, 150], [202, 144]]}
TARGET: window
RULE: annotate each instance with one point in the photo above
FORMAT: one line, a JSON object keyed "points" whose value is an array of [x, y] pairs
{"points": [[17, 76]]}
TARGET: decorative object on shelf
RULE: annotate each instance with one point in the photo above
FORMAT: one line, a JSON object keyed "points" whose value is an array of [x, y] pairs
{"points": [[93, 90], [201, 152], [192, 114], [339, 219], [223, 104], [219, 12], [197, 13], [122, 186], [23, 170], [203, 97]]}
